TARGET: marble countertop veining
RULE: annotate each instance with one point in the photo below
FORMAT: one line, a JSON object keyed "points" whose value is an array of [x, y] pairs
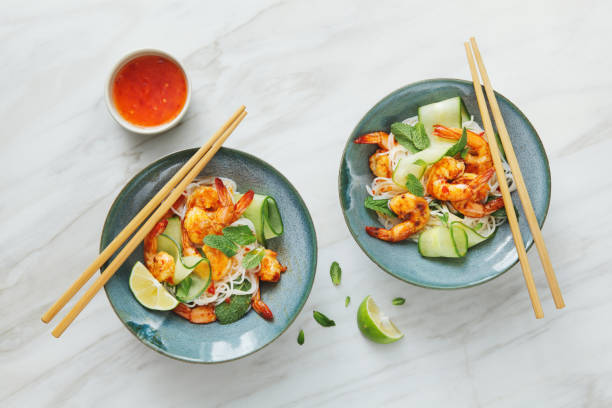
{"points": [[307, 71]]}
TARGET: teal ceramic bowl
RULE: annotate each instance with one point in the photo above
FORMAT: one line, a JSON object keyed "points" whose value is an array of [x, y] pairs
{"points": [[174, 336], [402, 260]]}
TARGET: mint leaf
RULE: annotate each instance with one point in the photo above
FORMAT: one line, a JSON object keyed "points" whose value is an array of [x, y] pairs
{"points": [[413, 138], [403, 135], [221, 243], [322, 319], [240, 234], [378, 206], [414, 186], [420, 162], [419, 137], [398, 301], [336, 273], [237, 307], [347, 301], [182, 289], [253, 258], [300, 338], [459, 146], [478, 226]]}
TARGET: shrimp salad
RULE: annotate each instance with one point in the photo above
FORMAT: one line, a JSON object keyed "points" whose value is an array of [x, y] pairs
{"points": [[434, 181], [209, 251]]}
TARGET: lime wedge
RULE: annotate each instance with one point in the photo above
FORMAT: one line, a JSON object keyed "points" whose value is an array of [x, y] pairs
{"points": [[374, 324], [148, 291]]}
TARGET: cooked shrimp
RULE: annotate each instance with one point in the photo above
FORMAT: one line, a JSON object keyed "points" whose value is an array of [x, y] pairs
{"points": [[199, 314], [440, 182], [379, 161], [199, 223], [271, 268], [188, 248], [219, 262], [204, 197], [478, 160], [414, 213], [380, 164], [260, 307], [476, 207], [160, 264]]}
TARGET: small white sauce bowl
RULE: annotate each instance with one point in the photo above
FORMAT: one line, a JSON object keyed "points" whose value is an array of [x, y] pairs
{"points": [[110, 104]]}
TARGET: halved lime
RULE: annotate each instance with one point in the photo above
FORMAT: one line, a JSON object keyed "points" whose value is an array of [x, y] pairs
{"points": [[148, 291], [374, 324]]}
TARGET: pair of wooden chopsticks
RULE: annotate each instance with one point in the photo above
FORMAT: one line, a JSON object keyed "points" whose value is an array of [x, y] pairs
{"points": [[171, 192], [470, 47]]}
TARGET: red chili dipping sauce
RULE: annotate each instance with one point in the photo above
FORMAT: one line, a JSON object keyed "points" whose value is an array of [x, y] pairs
{"points": [[149, 90]]}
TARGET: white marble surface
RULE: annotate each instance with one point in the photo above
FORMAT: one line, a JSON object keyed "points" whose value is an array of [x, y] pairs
{"points": [[307, 71]]}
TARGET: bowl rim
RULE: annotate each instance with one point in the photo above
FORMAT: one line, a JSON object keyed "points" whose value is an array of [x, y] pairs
{"points": [[313, 241], [528, 242], [112, 109]]}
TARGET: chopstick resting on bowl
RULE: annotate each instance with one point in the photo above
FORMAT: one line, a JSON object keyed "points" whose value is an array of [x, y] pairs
{"points": [[503, 185], [173, 189]]}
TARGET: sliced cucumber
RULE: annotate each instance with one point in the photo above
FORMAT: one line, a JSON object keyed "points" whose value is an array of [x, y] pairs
{"points": [[183, 266], [474, 238], [173, 230], [404, 168], [408, 164], [449, 112], [197, 287], [265, 216], [460, 240], [440, 241]]}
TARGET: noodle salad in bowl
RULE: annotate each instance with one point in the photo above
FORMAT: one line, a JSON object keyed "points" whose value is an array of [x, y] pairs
{"points": [[434, 181], [205, 259]]}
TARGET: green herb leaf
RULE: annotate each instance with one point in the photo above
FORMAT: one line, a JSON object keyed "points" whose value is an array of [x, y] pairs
{"points": [[182, 289], [378, 206], [478, 226], [336, 273], [398, 301], [301, 337], [240, 234], [322, 319], [237, 307], [403, 135], [414, 186], [420, 162], [419, 137], [464, 152], [253, 258], [444, 218], [459, 146], [347, 301], [221, 243]]}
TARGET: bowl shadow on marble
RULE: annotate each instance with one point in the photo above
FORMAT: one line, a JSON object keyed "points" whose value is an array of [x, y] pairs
{"points": [[170, 334], [402, 260]]}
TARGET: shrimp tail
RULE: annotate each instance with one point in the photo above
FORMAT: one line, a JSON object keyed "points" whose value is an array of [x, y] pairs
{"points": [[244, 203], [224, 195], [379, 138], [379, 233], [494, 205], [482, 178], [260, 307]]}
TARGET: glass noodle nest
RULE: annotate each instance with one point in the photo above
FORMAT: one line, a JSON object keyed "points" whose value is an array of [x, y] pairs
{"points": [[386, 188], [237, 273]]}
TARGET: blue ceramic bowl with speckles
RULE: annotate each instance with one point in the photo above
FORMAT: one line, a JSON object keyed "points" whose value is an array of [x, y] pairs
{"points": [[402, 260], [174, 336]]}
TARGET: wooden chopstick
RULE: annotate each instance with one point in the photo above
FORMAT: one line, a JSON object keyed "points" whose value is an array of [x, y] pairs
{"points": [[503, 185], [144, 230], [553, 284], [134, 223]]}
